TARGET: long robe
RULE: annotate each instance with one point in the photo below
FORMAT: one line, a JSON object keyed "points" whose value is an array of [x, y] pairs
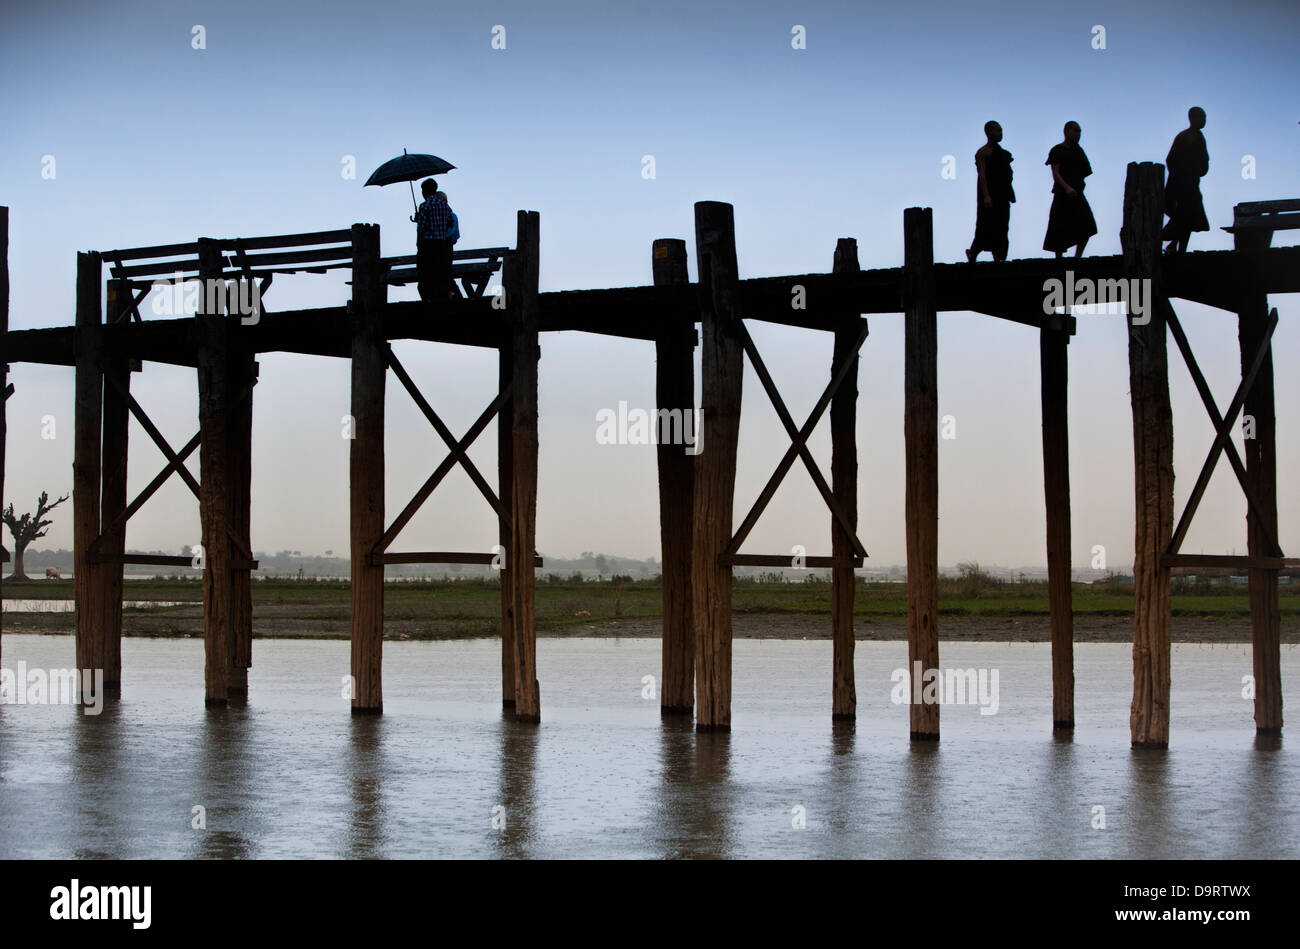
{"points": [[1188, 161], [1070, 222], [991, 223]]}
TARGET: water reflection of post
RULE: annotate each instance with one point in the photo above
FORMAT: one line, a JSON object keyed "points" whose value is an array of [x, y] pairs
{"points": [[367, 771], [222, 774], [97, 750], [1155, 832], [513, 825], [694, 808], [922, 808]]}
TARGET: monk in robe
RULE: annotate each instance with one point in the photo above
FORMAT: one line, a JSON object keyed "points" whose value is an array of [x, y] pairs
{"points": [[1070, 222], [993, 196], [1187, 163]]}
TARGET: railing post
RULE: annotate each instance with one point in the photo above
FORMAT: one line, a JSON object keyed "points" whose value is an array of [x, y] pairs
{"points": [[1153, 458], [722, 372], [1261, 475], [521, 302], [675, 393], [844, 486], [366, 468], [505, 492], [88, 415], [921, 437], [214, 481], [117, 424]]}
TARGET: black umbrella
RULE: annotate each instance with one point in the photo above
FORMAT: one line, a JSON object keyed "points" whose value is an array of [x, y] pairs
{"points": [[407, 168]]}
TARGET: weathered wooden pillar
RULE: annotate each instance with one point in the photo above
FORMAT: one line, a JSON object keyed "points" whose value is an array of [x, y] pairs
{"points": [[112, 545], [722, 372], [675, 393], [921, 437], [366, 468], [1053, 361], [505, 490], [844, 486], [215, 471], [521, 303], [1153, 458], [4, 366], [1261, 475], [88, 412], [243, 374]]}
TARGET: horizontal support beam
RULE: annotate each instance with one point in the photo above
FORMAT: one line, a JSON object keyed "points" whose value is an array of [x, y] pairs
{"points": [[438, 556], [1227, 560], [158, 250], [469, 253], [785, 560], [343, 236], [160, 560]]}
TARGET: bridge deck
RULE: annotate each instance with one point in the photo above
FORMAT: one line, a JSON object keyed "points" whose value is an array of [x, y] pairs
{"points": [[1012, 290]]}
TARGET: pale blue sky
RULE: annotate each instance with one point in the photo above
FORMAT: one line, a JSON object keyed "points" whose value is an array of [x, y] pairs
{"points": [[154, 141]]}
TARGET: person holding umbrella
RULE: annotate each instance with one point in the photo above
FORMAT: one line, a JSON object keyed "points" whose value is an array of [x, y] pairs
{"points": [[436, 228], [433, 225]]}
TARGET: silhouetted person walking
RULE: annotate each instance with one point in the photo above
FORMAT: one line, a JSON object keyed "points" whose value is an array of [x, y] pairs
{"points": [[993, 196], [1188, 161], [1070, 223], [433, 222]]}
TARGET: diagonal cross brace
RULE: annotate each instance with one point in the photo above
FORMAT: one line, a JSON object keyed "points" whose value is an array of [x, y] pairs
{"points": [[441, 471], [1254, 508], [458, 452], [1222, 435], [159, 480], [175, 462], [798, 441]]}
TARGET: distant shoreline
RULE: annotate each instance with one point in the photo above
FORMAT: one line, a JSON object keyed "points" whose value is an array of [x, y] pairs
{"points": [[1087, 629], [459, 610]]}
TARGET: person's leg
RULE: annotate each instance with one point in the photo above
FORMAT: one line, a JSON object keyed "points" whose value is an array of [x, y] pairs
{"points": [[444, 285], [424, 270], [1078, 251]]}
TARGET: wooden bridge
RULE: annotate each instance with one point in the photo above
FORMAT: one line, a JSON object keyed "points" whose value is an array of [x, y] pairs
{"points": [[109, 340]]}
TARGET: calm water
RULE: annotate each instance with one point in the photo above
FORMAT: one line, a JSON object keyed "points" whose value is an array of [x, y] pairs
{"points": [[291, 774]]}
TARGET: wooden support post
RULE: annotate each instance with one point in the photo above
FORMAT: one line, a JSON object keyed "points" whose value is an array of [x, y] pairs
{"points": [[722, 372], [243, 374], [86, 463], [505, 493], [1053, 361], [214, 475], [921, 437], [366, 467], [844, 485], [112, 544], [1153, 458], [4, 366], [675, 393], [521, 301], [1261, 477]]}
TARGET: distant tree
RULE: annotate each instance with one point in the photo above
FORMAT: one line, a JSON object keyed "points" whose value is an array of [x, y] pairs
{"points": [[27, 528], [602, 565]]}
